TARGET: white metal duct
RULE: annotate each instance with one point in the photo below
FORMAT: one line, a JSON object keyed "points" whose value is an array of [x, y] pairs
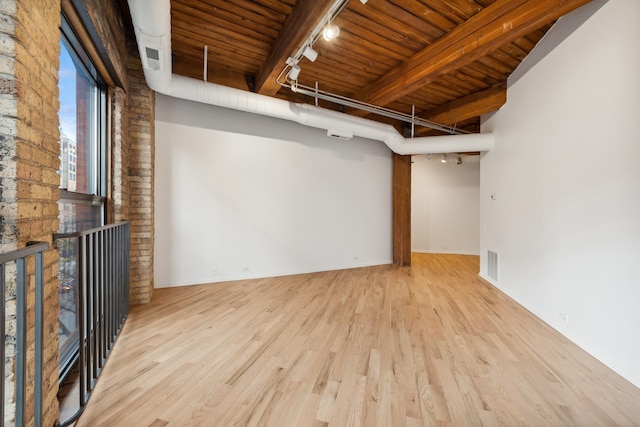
{"points": [[152, 24]]}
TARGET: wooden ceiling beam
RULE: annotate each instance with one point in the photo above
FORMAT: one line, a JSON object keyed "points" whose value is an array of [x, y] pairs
{"points": [[467, 107], [502, 22], [296, 29]]}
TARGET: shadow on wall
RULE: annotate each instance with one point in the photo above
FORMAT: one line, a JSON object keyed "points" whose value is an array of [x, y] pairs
{"points": [[197, 115]]}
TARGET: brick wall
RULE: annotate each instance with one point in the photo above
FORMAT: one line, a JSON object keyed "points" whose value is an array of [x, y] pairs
{"points": [[141, 133], [119, 185], [29, 145]]}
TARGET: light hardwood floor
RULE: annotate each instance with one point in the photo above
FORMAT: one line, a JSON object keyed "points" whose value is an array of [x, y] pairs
{"points": [[427, 345]]}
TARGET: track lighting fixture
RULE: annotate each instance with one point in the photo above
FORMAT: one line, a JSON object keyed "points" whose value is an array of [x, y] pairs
{"points": [[331, 31], [310, 53], [444, 158], [459, 160], [429, 156], [295, 71]]}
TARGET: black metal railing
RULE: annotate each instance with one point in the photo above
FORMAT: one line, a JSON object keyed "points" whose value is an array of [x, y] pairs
{"points": [[20, 277], [102, 286]]}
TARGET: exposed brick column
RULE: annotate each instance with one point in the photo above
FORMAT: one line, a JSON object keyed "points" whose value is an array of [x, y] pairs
{"points": [[29, 145], [119, 197], [141, 142]]}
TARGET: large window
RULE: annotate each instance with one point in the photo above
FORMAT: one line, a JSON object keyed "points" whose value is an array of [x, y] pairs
{"points": [[83, 126]]}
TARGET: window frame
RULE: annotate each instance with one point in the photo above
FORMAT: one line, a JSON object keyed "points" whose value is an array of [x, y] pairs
{"points": [[71, 39], [98, 179]]}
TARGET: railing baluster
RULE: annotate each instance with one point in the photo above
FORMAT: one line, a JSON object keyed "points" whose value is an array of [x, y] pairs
{"points": [[39, 336], [21, 338], [20, 257], [103, 295], [4, 340]]}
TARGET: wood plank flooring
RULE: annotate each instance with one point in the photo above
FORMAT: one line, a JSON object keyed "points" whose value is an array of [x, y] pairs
{"points": [[430, 344]]}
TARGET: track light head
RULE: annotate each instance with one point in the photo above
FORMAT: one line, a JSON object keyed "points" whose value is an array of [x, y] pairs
{"points": [[331, 31], [444, 158], [459, 160], [294, 73], [310, 53]]}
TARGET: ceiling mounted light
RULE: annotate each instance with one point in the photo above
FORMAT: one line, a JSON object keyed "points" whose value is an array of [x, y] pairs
{"points": [[331, 31], [444, 158], [459, 160], [295, 71], [310, 53]]}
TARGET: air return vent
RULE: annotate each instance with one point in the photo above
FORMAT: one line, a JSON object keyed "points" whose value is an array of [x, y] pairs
{"points": [[153, 58], [492, 265]]}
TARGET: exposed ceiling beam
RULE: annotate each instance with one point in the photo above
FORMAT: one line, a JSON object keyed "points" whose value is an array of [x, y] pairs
{"points": [[296, 29], [465, 108], [501, 23]]}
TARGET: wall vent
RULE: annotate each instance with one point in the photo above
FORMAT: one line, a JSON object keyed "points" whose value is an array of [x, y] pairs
{"points": [[153, 58], [492, 265]]}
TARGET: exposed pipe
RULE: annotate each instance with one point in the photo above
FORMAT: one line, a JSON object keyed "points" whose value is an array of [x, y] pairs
{"points": [[152, 24]]}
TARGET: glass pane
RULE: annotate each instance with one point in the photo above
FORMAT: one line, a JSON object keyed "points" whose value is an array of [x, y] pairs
{"points": [[79, 216], [79, 142], [78, 125], [68, 294]]}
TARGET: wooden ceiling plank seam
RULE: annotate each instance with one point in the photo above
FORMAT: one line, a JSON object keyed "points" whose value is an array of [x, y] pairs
{"points": [[465, 9], [480, 84], [502, 22], [502, 69], [398, 19], [270, 14], [233, 52], [215, 61], [358, 24], [367, 65], [294, 31], [460, 85], [211, 24], [329, 66], [356, 45], [368, 37], [514, 51], [428, 15], [475, 69], [218, 41], [226, 77], [215, 49], [504, 58], [443, 8], [276, 5], [234, 14]]}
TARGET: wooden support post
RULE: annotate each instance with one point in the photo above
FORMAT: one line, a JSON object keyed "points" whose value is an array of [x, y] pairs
{"points": [[401, 210]]}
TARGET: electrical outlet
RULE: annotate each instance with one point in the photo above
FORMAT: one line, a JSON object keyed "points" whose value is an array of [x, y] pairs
{"points": [[246, 269], [564, 317], [214, 271]]}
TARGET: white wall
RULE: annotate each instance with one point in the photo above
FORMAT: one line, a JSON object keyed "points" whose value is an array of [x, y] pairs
{"points": [[239, 195], [445, 205], [564, 170]]}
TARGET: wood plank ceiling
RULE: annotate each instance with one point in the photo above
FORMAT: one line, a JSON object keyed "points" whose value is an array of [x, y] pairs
{"points": [[448, 58]]}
